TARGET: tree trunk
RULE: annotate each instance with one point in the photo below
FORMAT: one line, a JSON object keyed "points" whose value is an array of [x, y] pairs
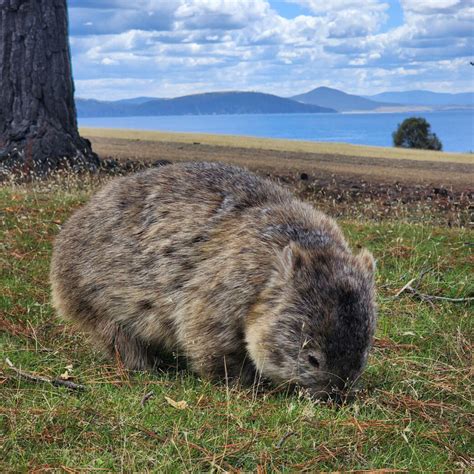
{"points": [[38, 125]]}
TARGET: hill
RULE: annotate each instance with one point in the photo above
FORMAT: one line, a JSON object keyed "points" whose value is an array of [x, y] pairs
{"points": [[135, 100], [336, 99], [197, 104], [99, 108], [422, 97]]}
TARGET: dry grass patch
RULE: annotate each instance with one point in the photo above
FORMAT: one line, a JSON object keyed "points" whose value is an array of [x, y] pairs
{"points": [[298, 146]]}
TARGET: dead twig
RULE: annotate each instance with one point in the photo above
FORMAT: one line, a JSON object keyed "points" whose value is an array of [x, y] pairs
{"points": [[412, 288], [284, 438], [405, 288], [146, 397], [57, 382], [431, 298]]}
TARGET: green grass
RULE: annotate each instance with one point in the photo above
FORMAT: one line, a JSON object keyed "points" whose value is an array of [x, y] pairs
{"points": [[414, 410]]}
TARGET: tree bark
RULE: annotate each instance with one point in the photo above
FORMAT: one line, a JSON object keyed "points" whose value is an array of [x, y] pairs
{"points": [[38, 125]]}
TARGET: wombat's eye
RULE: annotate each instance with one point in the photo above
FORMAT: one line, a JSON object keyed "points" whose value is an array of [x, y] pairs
{"points": [[313, 361]]}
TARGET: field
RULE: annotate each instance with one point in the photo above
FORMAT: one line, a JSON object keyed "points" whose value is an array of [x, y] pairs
{"points": [[413, 410]]}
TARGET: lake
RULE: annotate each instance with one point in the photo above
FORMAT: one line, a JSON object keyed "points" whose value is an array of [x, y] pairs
{"points": [[455, 129]]}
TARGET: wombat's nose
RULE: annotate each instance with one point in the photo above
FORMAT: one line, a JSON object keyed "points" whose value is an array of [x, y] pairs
{"points": [[341, 397], [342, 391], [328, 393], [338, 391], [335, 395], [320, 395]]}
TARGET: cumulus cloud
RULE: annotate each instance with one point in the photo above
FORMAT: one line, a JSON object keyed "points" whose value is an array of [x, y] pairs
{"points": [[434, 30], [348, 18], [219, 14], [171, 47], [340, 5], [87, 20], [427, 7]]}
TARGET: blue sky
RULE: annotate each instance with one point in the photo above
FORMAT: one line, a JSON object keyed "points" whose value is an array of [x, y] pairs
{"points": [[167, 48]]}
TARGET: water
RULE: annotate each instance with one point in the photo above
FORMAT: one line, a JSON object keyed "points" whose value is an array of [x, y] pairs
{"points": [[454, 128]]}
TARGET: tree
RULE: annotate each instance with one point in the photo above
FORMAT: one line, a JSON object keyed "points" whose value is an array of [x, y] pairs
{"points": [[415, 132], [38, 125]]}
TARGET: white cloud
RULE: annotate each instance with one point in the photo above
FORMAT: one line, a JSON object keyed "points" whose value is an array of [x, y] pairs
{"points": [[108, 62], [172, 47], [427, 7], [319, 6], [219, 14]]}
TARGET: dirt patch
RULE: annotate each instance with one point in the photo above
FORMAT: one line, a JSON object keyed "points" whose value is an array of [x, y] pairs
{"points": [[353, 186], [459, 175]]}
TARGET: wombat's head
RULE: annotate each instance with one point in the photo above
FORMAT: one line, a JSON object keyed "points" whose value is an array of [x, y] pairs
{"points": [[318, 319]]}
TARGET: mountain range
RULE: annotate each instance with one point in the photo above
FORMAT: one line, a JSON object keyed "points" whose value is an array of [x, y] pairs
{"points": [[420, 97], [211, 103], [341, 101], [319, 100]]}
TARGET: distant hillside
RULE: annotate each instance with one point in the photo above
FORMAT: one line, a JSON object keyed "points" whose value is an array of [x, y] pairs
{"points": [[212, 103], [135, 100], [421, 97], [98, 108], [336, 99]]}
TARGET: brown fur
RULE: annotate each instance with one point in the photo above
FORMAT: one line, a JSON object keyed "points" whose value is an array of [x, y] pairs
{"points": [[218, 265]]}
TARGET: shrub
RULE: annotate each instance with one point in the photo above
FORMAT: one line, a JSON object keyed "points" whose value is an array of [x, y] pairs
{"points": [[415, 132]]}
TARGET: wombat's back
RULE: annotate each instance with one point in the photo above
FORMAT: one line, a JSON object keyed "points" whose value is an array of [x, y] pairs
{"points": [[173, 259], [150, 251]]}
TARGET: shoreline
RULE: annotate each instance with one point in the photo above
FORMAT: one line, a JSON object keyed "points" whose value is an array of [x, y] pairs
{"points": [[278, 144]]}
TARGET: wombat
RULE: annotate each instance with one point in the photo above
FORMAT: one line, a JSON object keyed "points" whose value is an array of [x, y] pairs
{"points": [[223, 267]]}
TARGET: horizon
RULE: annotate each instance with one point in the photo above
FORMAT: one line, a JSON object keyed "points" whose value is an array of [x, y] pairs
{"points": [[166, 49], [261, 92]]}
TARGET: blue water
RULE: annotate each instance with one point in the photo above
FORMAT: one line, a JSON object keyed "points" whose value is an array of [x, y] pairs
{"points": [[455, 129]]}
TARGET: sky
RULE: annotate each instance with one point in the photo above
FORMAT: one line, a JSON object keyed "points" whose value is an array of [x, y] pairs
{"points": [[168, 48]]}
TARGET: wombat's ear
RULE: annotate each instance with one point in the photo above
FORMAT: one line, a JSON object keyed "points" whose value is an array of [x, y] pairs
{"points": [[290, 258], [367, 260]]}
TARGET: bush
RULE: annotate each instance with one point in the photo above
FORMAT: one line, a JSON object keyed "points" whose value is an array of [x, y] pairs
{"points": [[415, 132]]}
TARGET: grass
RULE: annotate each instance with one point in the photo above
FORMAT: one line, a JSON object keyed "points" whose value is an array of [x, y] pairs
{"points": [[343, 149], [414, 410]]}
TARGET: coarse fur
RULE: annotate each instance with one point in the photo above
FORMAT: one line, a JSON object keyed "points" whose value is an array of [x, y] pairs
{"points": [[220, 266]]}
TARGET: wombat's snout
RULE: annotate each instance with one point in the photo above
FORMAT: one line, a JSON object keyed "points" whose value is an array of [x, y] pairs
{"points": [[336, 397], [339, 395], [336, 390]]}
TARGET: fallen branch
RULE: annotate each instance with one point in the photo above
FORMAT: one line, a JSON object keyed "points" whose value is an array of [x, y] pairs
{"points": [[405, 288], [413, 290], [40, 379], [146, 397], [284, 438], [424, 297]]}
